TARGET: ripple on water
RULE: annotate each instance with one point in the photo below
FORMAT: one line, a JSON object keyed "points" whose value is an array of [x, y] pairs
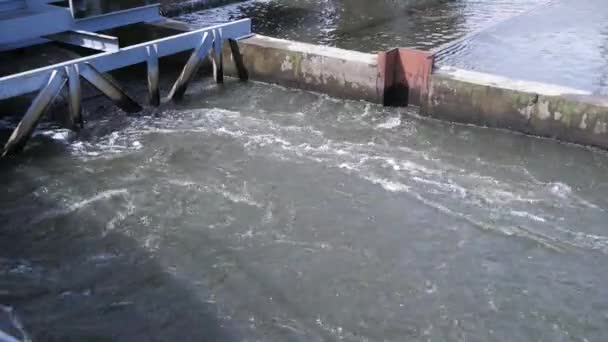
{"points": [[355, 25], [222, 174]]}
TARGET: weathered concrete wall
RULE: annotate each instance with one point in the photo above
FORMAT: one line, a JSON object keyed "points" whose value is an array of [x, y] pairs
{"points": [[450, 94], [336, 72], [534, 108]]}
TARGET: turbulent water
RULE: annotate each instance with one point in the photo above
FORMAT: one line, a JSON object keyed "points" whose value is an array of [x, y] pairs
{"points": [[251, 212]]}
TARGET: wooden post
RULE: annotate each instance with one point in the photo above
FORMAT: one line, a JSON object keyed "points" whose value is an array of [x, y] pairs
{"points": [[218, 56], [153, 75], [194, 62], [30, 120], [238, 60], [109, 88]]}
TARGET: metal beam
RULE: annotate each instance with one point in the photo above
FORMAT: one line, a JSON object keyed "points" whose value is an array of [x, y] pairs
{"points": [[109, 88], [194, 62], [153, 75], [217, 58], [33, 80], [31, 118], [90, 40], [47, 19], [238, 60], [75, 96]]}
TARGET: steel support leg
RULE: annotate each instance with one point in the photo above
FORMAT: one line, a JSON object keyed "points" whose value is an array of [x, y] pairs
{"points": [[190, 69], [109, 88], [153, 75], [75, 100], [238, 60], [30, 120], [218, 56]]}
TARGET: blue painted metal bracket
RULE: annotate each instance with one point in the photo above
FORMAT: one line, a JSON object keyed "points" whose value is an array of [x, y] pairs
{"points": [[27, 28], [33, 80]]}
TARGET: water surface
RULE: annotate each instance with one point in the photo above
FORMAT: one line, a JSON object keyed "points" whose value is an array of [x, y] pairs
{"points": [[355, 25], [564, 42], [253, 212]]}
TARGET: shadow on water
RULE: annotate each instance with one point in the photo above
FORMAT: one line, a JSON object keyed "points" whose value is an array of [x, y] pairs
{"points": [[77, 266], [70, 279]]}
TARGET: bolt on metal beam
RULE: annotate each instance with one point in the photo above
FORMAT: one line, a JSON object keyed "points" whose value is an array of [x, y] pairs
{"points": [[238, 60], [110, 88], [34, 113], [75, 96], [218, 56], [194, 62], [153, 75]]}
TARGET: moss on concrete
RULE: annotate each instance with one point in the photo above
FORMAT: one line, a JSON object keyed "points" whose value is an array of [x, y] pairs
{"points": [[577, 119]]}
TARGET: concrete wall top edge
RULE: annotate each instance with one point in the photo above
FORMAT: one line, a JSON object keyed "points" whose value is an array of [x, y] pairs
{"points": [[320, 50], [509, 83]]}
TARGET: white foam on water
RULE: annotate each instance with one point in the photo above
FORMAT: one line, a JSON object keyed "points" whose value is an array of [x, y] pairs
{"points": [[121, 215], [54, 213], [388, 185], [60, 134], [390, 123], [527, 215], [425, 174], [242, 196], [448, 187], [560, 190]]}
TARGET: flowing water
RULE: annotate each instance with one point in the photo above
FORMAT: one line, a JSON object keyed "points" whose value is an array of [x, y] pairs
{"points": [[355, 25], [251, 212], [564, 42], [555, 41]]}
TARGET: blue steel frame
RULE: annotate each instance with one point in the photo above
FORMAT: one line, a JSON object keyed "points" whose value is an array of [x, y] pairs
{"points": [[33, 80], [39, 19]]}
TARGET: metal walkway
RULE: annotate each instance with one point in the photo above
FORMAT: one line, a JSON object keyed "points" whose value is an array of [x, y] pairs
{"points": [[50, 80]]}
